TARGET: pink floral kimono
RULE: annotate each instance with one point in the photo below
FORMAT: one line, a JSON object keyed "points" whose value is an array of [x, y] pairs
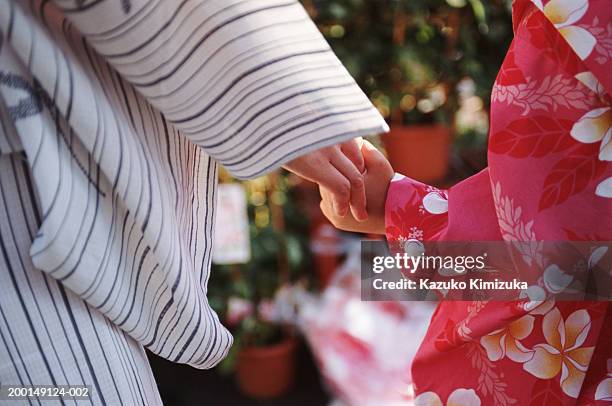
{"points": [[549, 178]]}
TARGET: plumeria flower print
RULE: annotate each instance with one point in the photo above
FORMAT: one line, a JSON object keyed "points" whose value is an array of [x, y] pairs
{"points": [[597, 254], [414, 247], [604, 389], [596, 126], [459, 397], [564, 14], [505, 342], [555, 280], [563, 352], [539, 301], [435, 202], [589, 80], [604, 189]]}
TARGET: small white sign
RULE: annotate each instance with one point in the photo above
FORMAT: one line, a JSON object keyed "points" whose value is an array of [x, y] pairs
{"points": [[231, 242]]}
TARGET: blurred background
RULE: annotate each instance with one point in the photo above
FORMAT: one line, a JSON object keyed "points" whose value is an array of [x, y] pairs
{"points": [[284, 281]]}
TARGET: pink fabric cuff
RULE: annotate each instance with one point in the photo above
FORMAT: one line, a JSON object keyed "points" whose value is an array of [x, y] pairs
{"points": [[414, 210]]}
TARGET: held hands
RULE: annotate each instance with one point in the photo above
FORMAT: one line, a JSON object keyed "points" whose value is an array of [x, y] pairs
{"points": [[349, 175], [377, 176], [339, 169]]}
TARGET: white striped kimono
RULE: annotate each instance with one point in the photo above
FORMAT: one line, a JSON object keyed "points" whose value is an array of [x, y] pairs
{"points": [[115, 115]]}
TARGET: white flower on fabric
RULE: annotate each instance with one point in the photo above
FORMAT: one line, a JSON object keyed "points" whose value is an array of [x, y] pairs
{"points": [[563, 353], [506, 341], [563, 14], [538, 4], [555, 280], [459, 397], [595, 126], [604, 189], [589, 80], [397, 177], [604, 389], [597, 255], [428, 399], [435, 203], [463, 397], [414, 247], [415, 233], [539, 302]]}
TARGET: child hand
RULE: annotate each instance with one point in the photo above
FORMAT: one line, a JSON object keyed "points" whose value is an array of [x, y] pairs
{"points": [[377, 176], [338, 169]]}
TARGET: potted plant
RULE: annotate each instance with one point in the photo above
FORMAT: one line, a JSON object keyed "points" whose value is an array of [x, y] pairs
{"points": [[409, 56], [263, 356]]}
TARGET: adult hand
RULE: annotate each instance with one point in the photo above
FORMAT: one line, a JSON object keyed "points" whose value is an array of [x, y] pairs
{"points": [[339, 169], [377, 177]]}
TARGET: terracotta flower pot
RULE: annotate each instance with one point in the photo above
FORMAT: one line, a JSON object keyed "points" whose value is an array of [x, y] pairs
{"points": [[267, 372], [421, 152]]}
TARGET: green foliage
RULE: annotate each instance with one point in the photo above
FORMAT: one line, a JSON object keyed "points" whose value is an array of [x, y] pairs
{"points": [[259, 279], [400, 51]]}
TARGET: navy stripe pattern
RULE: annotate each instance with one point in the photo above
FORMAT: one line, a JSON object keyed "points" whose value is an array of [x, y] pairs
{"points": [[125, 109], [48, 335]]}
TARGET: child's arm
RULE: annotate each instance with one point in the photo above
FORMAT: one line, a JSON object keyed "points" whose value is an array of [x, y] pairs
{"points": [[405, 209]]}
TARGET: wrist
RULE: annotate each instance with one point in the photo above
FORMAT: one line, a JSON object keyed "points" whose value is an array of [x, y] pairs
{"points": [[378, 217]]}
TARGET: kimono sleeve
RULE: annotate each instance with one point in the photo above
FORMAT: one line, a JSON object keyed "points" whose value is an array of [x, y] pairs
{"points": [[465, 212], [253, 83]]}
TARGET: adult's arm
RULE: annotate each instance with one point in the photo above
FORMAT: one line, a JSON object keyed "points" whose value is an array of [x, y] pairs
{"points": [[253, 83]]}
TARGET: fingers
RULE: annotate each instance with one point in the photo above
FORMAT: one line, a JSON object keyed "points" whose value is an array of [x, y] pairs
{"points": [[347, 223], [352, 150], [357, 186], [339, 188], [374, 159], [340, 170], [326, 204]]}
